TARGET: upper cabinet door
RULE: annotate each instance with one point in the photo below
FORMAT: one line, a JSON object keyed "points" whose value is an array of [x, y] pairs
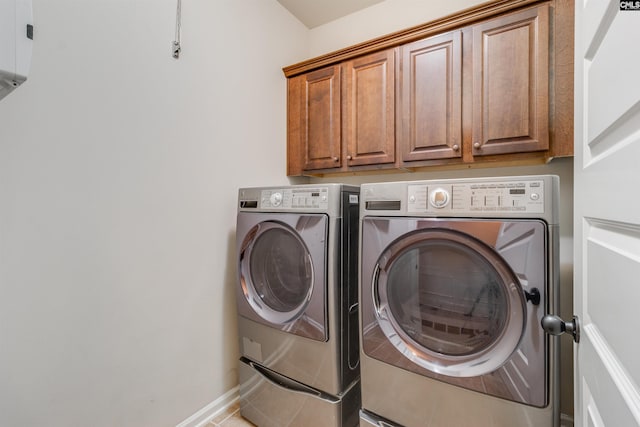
{"points": [[369, 110], [431, 103], [510, 83], [320, 119]]}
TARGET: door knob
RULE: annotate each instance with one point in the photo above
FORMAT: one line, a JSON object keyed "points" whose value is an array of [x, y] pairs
{"points": [[554, 325]]}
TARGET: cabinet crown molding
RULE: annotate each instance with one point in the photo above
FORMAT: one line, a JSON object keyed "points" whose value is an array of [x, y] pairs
{"points": [[447, 23]]}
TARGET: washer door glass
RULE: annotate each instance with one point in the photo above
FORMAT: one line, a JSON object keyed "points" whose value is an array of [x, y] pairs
{"points": [[449, 302], [281, 273]]}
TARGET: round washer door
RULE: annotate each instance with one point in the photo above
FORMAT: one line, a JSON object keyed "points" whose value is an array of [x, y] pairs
{"points": [[448, 302], [277, 272]]}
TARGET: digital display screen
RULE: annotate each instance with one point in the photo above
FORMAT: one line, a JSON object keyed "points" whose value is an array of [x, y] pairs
{"points": [[516, 191], [315, 194]]}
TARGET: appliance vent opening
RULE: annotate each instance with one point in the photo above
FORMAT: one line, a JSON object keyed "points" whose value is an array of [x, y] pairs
{"points": [[383, 205], [249, 204]]}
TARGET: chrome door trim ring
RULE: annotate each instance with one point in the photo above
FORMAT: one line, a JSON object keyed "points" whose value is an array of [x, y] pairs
{"points": [[248, 289], [485, 361]]}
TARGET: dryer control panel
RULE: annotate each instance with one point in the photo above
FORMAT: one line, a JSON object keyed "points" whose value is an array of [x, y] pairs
{"points": [[295, 198], [474, 197]]}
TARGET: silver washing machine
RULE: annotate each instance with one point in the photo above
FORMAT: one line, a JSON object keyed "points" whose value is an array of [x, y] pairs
{"points": [[297, 299], [456, 276]]}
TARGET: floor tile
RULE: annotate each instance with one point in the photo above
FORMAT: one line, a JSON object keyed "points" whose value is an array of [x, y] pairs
{"points": [[230, 417]]}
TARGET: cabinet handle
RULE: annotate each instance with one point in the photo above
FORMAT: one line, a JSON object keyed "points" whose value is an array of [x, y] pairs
{"points": [[455, 147], [349, 157], [335, 159], [477, 145]]}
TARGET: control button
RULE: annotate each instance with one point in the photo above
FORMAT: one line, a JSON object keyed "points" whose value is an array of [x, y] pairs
{"points": [[439, 198], [534, 196], [412, 199], [276, 199]]}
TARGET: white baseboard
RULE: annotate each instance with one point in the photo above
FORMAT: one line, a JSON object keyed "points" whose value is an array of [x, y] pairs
{"points": [[209, 412]]}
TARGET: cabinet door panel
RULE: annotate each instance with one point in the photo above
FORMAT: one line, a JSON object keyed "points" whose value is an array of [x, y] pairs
{"points": [[431, 104], [370, 109], [510, 83], [321, 119]]}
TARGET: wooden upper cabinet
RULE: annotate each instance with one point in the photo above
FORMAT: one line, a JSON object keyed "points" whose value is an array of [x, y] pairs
{"points": [[490, 85], [511, 83], [319, 130], [369, 109], [342, 116], [430, 110]]}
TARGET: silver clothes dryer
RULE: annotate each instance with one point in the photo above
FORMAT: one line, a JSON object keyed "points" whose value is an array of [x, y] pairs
{"points": [[456, 276], [297, 305]]}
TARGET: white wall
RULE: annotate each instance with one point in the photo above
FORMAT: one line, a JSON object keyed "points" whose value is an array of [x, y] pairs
{"points": [[119, 169], [380, 19]]}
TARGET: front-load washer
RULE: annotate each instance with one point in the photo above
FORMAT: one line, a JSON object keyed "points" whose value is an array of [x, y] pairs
{"points": [[456, 276], [297, 300]]}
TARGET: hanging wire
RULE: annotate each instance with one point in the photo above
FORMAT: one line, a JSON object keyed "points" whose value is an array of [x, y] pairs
{"points": [[176, 43]]}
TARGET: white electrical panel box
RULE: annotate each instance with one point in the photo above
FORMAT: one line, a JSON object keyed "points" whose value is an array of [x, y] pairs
{"points": [[16, 43]]}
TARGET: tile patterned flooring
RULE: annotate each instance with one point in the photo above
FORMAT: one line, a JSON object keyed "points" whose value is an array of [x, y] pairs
{"points": [[230, 418]]}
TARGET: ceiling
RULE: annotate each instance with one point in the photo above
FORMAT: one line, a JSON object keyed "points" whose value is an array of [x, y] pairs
{"points": [[313, 13]]}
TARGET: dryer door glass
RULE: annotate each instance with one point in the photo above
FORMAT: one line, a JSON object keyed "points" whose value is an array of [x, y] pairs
{"points": [[452, 301], [447, 298], [281, 273]]}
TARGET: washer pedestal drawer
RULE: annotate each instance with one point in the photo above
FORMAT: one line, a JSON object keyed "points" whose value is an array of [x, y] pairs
{"points": [[269, 399]]}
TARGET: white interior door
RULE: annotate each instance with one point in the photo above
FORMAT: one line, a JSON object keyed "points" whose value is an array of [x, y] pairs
{"points": [[607, 214]]}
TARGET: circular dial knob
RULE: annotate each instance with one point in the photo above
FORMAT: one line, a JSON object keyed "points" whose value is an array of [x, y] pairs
{"points": [[276, 199], [439, 198]]}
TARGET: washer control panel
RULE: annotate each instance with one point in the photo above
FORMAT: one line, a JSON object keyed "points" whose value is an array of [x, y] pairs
{"points": [[294, 198], [510, 196]]}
